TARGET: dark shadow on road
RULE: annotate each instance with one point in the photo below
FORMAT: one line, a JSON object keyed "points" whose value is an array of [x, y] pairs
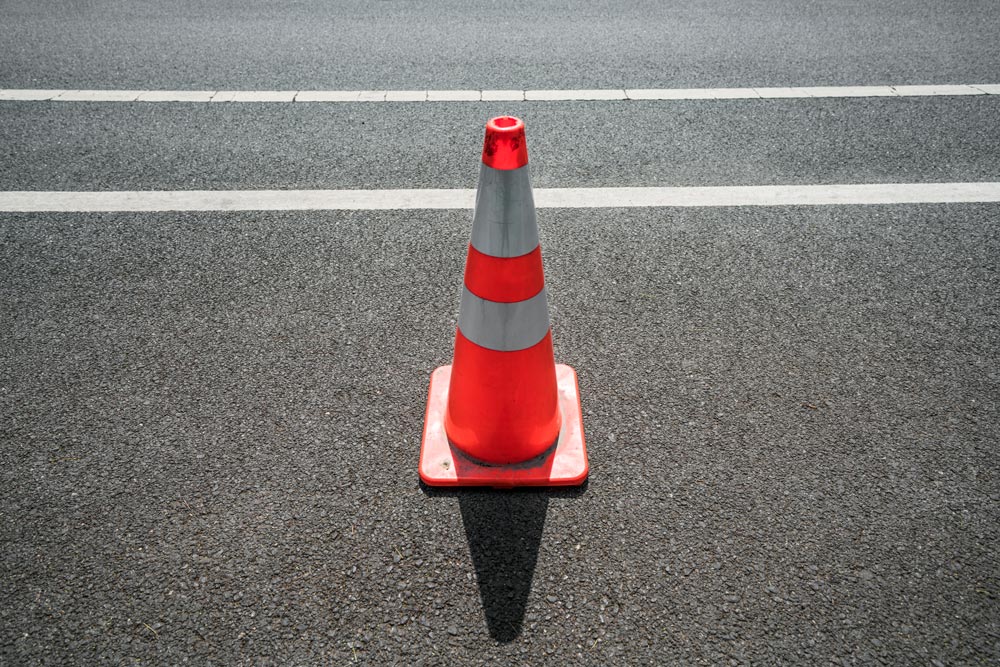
{"points": [[504, 530]]}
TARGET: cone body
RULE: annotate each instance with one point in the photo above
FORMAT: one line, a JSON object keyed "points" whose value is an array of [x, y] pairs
{"points": [[503, 400]]}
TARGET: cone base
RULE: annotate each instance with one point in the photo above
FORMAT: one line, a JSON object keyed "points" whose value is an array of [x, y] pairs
{"points": [[441, 464]]}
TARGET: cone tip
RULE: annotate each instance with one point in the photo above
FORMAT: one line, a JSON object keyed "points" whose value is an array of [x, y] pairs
{"points": [[504, 146]]}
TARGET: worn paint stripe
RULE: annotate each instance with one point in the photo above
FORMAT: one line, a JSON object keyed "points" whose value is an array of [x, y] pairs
{"points": [[624, 197], [552, 95]]}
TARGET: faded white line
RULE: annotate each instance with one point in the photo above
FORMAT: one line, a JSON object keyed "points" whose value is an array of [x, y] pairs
{"points": [[614, 94], [176, 96], [365, 200]]}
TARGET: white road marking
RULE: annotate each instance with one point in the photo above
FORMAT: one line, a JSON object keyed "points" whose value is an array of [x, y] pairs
{"points": [[768, 93], [310, 200], [554, 95], [851, 91], [29, 95], [260, 96], [454, 95], [937, 90], [176, 96], [405, 96], [503, 95], [328, 96], [274, 96], [99, 96], [222, 96]]}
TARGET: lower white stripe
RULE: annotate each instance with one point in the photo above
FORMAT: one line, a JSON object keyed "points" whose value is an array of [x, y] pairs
{"points": [[619, 94], [361, 200], [503, 327]]}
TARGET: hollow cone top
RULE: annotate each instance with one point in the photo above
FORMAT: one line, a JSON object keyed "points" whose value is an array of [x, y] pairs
{"points": [[504, 146]]}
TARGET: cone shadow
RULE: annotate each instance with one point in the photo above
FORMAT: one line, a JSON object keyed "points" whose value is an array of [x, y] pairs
{"points": [[504, 530]]}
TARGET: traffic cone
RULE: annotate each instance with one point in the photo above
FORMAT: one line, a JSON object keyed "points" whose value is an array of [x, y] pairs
{"points": [[504, 413]]}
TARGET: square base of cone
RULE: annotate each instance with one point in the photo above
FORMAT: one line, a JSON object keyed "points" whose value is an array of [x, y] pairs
{"points": [[441, 464]]}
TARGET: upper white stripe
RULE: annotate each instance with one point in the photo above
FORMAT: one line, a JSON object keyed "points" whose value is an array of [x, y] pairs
{"points": [[342, 96], [315, 200], [503, 224]]}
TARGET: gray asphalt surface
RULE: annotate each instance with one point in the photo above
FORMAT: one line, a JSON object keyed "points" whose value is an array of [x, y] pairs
{"points": [[214, 425], [210, 423], [94, 146], [482, 44]]}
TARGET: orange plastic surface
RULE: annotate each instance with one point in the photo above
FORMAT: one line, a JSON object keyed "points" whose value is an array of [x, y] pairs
{"points": [[504, 279], [503, 406], [504, 146], [442, 464]]}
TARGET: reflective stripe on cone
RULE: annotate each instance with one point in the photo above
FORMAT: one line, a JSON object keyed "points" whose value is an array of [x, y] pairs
{"points": [[503, 327]]}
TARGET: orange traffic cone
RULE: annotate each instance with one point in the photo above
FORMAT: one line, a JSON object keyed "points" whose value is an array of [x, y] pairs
{"points": [[503, 414]]}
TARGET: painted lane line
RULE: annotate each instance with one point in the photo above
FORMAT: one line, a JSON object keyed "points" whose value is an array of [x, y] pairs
{"points": [[328, 96], [775, 93], [770, 195], [563, 95], [99, 96], [454, 95], [176, 96], [22, 95], [261, 96], [235, 200], [937, 90], [405, 96], [223, 96], [849, 91], [356, 200], [503, 95], [277, 96], [669, 94], [734, 94]]}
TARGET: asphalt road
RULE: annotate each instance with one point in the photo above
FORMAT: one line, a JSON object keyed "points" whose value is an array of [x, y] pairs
{"points": [[482, 44], [211, 421], [95, 146]]}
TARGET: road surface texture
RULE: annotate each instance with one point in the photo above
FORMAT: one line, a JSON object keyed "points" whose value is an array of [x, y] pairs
{"points": [[211, 420]]}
